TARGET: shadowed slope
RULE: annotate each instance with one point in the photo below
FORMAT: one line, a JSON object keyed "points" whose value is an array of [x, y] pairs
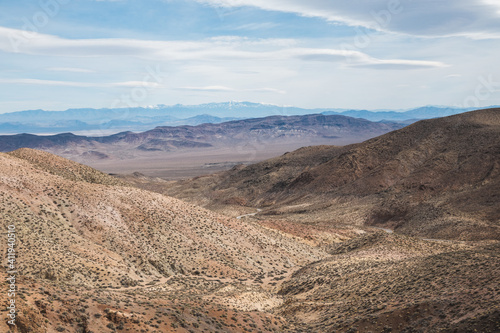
{"points": [[437, 178]]}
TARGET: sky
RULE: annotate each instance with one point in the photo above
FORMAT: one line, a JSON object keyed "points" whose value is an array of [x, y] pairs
{"points": [[359, 54]]}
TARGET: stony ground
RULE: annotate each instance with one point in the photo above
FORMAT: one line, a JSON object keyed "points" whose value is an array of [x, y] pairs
{"points": [[81, 231], [389, 283]]}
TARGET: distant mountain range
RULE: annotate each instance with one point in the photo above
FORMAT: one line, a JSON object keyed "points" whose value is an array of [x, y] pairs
{"points": [[267, 131], [98, 122], [426, 112]]}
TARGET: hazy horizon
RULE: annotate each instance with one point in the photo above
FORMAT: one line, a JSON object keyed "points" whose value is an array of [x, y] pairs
{"points": [[339, 109]]}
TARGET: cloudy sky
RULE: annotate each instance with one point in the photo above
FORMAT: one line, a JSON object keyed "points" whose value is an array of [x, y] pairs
{"points": [[371, 54]]}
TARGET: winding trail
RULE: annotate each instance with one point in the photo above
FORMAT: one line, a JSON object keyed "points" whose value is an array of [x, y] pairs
{"points": [[164, 280], [251, 214]]}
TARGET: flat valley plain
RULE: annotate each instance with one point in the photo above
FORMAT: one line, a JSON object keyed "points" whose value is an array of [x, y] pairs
{"points": [[191, 163], [143, 254]]}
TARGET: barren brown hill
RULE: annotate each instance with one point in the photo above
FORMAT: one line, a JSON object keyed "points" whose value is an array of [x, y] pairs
{"points": [[96, 257], [78, 232], [390, 283], [436, 178]]}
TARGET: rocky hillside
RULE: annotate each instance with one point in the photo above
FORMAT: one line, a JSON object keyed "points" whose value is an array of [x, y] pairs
{"points": [[389, 283], [436, 178], [59, 166], [79, 229], [110, 232]]}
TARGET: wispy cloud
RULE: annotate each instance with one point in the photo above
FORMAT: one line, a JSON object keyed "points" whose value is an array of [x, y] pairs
{"points": [[396, 64], [70, 69], [228, 89], [129, 84], [256, 26], [222, 48], [268, 90], [51, 83], [133, 84], [360, 59], [207, 88], [470, 18]]}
